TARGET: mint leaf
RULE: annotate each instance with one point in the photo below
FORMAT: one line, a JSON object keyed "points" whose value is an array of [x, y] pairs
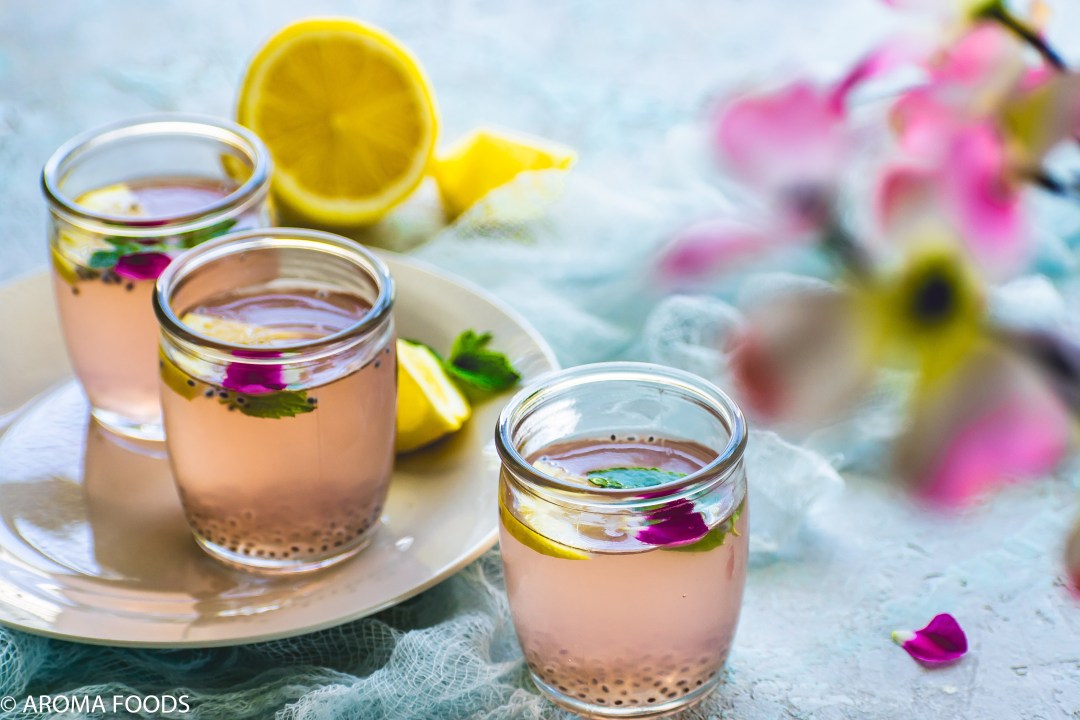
{"points": [[715, 537], [621, 478], [472, 363], [118, 241], [287, 403], [122, 247], [104, 259], [197, 237]]}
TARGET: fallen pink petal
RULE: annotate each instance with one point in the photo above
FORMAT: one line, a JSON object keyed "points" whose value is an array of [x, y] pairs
{"points": [[942, 641]]}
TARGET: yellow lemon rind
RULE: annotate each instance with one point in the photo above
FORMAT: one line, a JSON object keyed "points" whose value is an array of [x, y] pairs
{"points": [[534, 540]]}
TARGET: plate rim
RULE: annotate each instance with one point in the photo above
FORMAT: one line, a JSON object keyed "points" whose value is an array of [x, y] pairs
{"points": [[451, 569]]}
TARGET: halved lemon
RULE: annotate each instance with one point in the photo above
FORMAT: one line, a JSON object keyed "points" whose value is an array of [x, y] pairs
{"points": [[487, 159], [534, 540], [348, 116], [430, 405]]}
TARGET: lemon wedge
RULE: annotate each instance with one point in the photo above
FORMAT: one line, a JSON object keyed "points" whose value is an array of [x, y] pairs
{"points": [[117, 199], [430, 405], [175, 378], [534, 540], [487, 159], [348, 116], [236, 332], [74, 247]]}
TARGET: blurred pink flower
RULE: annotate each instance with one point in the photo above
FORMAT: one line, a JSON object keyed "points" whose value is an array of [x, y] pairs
{"points": [[783, 140], [1018, 439], [941, 641], [971, 187], [713, 245], [996, 421], [790, 145], [982, 196]]}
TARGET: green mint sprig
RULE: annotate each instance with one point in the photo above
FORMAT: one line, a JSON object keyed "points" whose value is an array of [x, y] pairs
{"points": [[472, 363], [274, 406], [475, 367], [631, 477], [122, 246]]}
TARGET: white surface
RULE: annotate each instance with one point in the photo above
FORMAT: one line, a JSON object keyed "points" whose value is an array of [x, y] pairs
{"points": [[93, 543]]}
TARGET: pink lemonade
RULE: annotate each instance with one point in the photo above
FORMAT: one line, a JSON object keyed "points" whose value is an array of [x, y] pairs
{"points": [[622, 626], [104, 285], [281, 468]]}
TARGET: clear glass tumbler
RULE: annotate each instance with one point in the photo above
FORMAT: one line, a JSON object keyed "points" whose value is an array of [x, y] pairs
{"points": [[124, 200], [623, 528], [279, 392]]}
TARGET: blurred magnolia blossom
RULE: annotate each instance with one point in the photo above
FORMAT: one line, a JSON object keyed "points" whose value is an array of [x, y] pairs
{"points": [[989, 403]]}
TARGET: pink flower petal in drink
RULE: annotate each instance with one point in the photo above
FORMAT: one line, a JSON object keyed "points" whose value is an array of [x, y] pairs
{"points": [[785, 139], [673, 525], [142, 266], [252, 378], [941, 641]]}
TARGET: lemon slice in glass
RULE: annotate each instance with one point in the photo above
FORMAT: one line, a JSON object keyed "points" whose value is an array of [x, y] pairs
{"points": [[236, 332], [348, 116], [74, 247], [533, 539], [430, 405]]}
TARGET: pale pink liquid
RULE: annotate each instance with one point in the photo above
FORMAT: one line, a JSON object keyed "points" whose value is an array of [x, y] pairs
{"points": [[293, 492], [108, 321], [627, 630]]}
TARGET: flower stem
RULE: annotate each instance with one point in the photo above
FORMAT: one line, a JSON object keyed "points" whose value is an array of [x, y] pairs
{"points": [[1027, 34], [1048, 182], [837, 240]]}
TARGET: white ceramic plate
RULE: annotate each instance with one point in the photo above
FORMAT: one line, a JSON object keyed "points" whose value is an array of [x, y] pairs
{"points": [[93, 544]]}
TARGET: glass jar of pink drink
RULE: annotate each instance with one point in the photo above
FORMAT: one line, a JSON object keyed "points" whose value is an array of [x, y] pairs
{"points": [[125, 200], [279, 391], [623, 529]]}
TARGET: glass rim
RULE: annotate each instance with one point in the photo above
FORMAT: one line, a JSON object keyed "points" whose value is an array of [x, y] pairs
{"points": [[223, 131], [716, 401], [264, 238]]}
